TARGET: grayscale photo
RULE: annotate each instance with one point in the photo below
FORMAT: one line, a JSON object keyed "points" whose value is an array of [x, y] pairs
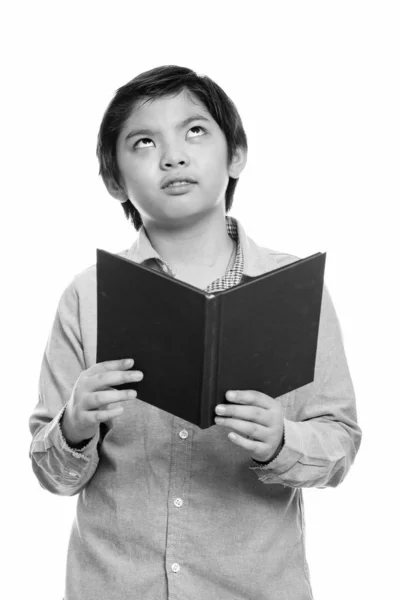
{"points": [[203, 317]]}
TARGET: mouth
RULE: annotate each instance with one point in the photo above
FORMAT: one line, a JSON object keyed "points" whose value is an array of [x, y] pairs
{"points": [[179, 187], [177, 181]]}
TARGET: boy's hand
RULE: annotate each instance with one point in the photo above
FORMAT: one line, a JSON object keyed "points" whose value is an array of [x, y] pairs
{"points": [[93, 398], [254, 415]]}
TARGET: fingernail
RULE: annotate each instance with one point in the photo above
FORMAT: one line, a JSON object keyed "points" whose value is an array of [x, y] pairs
{"points": [[231, 395], [220, 410]]}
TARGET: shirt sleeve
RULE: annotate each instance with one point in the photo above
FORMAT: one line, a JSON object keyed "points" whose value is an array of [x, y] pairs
{"points": [[60, 469], [321, 433]]}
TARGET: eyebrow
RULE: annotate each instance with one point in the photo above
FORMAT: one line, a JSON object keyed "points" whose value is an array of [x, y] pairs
{"points": [[180, 125]]}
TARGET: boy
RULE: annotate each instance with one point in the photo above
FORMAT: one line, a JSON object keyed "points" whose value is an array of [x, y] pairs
{"points": [[166, 510]]}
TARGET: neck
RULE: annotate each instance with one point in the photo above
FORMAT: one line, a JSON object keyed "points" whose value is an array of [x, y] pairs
{"points": [[204, 244]]}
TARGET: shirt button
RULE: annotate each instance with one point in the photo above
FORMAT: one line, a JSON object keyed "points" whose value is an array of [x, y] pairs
{"points": [[175, 567], [183, 434], [178, 502]]}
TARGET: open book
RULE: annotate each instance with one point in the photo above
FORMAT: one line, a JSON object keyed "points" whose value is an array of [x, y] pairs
{"points": [[193, 346]]}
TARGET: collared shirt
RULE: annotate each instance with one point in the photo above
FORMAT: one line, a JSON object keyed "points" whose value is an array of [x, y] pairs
{"points": [[167, 510], [150, 257]]}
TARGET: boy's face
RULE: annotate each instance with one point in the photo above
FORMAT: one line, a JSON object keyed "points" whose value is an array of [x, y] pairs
{"points": [[197, 149]]}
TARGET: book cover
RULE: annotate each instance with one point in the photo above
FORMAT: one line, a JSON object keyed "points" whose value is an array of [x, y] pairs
{"points": [[193, 346]]}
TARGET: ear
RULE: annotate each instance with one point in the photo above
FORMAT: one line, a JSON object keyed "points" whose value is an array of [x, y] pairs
{"points": [[238, 163], [116, 191]]}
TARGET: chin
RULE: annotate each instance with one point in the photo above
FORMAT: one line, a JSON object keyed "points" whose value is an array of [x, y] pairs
{"points": [[179, 218]]}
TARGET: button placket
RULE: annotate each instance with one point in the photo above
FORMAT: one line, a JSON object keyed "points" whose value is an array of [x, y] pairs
{"points": [[179, 482]]}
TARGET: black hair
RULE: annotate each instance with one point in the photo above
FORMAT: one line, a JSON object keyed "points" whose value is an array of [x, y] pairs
{"points": [[166, 81]]}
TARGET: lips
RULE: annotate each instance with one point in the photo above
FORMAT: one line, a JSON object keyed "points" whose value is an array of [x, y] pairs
{"points": [[178, 184], [171, 180]]}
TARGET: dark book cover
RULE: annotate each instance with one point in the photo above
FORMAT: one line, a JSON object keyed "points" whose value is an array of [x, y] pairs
{"points": [[193, 346]]}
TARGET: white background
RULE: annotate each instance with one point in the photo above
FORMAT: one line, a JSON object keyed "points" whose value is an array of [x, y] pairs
{"points": [[317, 86]]}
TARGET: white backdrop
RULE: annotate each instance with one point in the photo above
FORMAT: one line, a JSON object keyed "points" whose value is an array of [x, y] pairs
{"points": [[317, 86]]}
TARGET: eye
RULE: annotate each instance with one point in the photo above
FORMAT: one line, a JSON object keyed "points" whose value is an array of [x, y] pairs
{"points": [[197, 127], [142, 140], [150, 140]]}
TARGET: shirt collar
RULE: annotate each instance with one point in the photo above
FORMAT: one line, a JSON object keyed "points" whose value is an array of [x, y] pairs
{"points": [[256, 260]]}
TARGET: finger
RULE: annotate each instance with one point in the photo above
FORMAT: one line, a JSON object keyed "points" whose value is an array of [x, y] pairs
{"points": [[106, 379], [245, 428], [98, 416], [253, 446], [111, 365], [255, 414], [250, 397], [103, 398]]}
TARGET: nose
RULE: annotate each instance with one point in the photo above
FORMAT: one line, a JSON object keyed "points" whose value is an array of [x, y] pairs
{"points": [[173, 163], [174, 157]]}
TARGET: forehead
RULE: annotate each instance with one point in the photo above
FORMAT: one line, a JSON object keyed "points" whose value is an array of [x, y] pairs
{"points": [[168, 110]]}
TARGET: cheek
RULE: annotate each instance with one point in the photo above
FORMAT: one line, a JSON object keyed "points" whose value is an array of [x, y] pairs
{"points": [[215, 163], [137, 174], [217, 175]]}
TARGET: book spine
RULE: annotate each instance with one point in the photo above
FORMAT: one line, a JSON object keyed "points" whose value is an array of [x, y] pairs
{"points": [[208, 396]]}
